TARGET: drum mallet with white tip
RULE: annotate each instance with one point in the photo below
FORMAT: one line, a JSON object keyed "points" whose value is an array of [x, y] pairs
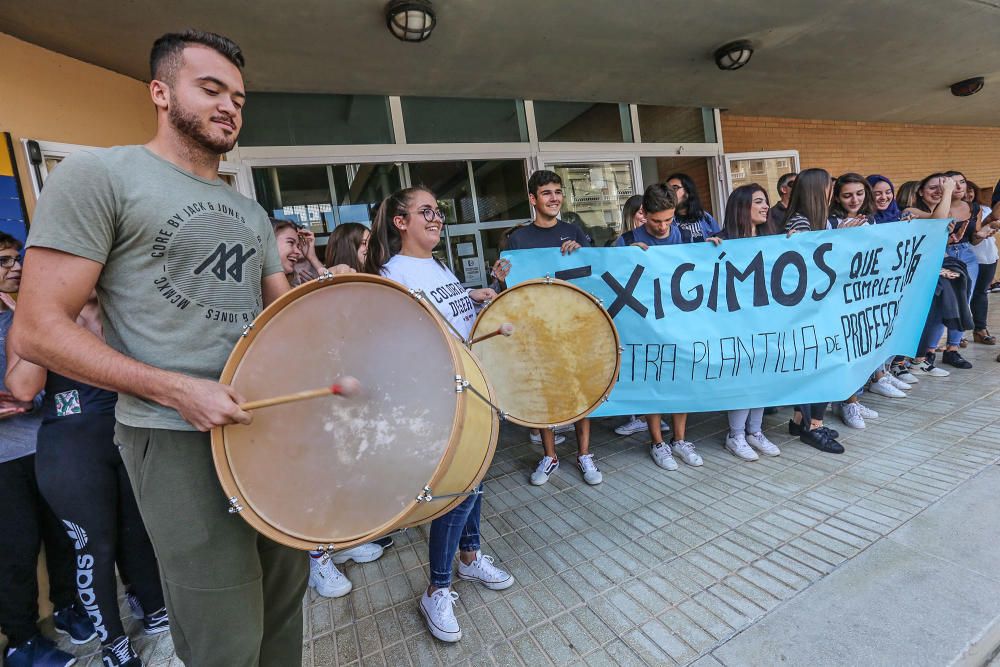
{"points": [[347, 387], [505, 329]]}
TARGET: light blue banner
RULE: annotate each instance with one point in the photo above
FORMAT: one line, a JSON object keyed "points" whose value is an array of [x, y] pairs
{"points": [[755, 322]]}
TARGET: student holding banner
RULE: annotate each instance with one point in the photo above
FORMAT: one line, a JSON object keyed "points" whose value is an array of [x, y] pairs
{"points": [[747, 217], [548, 231], [808, 210], [659, 205]]}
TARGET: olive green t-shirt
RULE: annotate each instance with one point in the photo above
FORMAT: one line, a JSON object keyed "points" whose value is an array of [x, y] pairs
{"points": [[183, 260]]}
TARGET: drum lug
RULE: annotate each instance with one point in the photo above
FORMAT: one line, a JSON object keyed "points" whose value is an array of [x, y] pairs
{"points": [[417, 294], [460, 384], [425, 495], [326, 275], [547, 279], [234, 505], [621, 348], [246, 330]]}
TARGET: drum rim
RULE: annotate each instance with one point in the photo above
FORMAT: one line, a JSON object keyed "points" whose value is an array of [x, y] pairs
{"points": [[618, 349], [220, 456]]}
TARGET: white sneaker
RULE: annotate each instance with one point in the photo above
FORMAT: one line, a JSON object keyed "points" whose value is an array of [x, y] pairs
{"points": [[850, 414], [363, 553], [906, 376], [866, 412], [536, 438], [760, 442], [634, 425], [883, 387], [685, 451], [485, 572], [898, 383], [327, 579], [546, 467], [738, 447], [927, 368], [662, 456], [591, 474], [439, 612]]}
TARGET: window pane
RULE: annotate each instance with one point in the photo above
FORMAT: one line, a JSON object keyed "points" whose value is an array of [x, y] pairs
{"points": [[501, 190], [296, 193], [291, 119], [675, 125], [360, 188], [657, 169], [594, 194], [582, 121], [435, 120], [450, 182], [764, 172]]}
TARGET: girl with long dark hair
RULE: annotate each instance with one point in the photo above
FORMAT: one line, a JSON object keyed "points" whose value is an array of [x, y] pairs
{"points": [[348, 244], [407, 227], [746, 217], [695, 223]]}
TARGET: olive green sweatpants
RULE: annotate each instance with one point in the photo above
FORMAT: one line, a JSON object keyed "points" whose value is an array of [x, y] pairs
{"points": [[234, 597]]}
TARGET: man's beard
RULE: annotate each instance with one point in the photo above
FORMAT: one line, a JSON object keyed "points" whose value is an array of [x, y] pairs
{"points": [[191, 126]]}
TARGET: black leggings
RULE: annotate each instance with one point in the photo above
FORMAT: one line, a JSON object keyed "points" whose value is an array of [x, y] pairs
{"points": [[980, 297], [81, 474], [26, 521], [811, 411]]}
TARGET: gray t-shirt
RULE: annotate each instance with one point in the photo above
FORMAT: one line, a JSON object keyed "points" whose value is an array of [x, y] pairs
{"points": [[18, 434], [183, 260]]}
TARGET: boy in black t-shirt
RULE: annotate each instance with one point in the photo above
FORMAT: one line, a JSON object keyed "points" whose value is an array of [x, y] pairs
{"points": [[548, 231]]}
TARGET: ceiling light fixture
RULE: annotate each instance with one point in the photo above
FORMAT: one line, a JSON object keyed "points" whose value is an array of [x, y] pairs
{"points": [[410, 20], [968, 87], [733, 55]]}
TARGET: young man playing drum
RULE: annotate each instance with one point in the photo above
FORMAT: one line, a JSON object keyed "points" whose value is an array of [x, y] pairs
{"points": [[181, 263], [548, 231]]}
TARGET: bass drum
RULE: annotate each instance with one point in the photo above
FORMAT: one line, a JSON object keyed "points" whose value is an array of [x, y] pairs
{"points": [[562, 359], [334, 472]]}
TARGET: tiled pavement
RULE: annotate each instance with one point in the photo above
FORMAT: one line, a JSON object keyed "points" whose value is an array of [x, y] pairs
{"points": [[655, 567]]}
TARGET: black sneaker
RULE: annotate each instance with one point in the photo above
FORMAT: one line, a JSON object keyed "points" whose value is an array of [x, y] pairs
{"points": [[771, 410], [155, 623], [796, 429], [38, 652], [953, 358], [73, 622], [821, 440], [120, 653]]}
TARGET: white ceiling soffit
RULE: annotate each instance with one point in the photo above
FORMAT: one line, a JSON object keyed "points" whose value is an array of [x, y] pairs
{"points": [[881, 60]]}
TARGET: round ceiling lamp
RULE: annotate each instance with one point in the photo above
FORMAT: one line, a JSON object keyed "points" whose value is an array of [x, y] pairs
{"points": [[410, 20], [968, 87], [733, 55]]}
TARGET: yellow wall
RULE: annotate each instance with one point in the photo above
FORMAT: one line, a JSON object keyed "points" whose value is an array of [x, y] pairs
{"points": [[51, 97]]}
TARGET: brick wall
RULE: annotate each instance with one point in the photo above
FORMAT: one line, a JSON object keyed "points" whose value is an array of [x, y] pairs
{"points": [[902, 152]]}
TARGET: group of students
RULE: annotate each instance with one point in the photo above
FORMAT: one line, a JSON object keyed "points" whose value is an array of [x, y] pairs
{"points": [[142, 224]]}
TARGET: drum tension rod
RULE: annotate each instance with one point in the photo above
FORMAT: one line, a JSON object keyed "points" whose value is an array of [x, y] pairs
{"points": [[234, 505], [246, 330], [461, 384], [426, 495]]}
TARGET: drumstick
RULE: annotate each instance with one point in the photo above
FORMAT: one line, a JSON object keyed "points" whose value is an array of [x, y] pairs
{"points": [[505, 329], [347, 387]]}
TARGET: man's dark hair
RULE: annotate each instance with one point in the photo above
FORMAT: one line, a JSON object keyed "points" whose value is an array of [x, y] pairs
{"points": [[783, 181], [540, 178], [658, 197], [7, 241], [165, 56]]}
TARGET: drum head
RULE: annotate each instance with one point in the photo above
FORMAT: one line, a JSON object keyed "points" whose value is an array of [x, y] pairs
{"points": [[562, 359], [332, 470]]}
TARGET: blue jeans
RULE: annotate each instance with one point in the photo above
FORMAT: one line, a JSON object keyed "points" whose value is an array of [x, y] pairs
{"points": [[458, 529], [963, 252]]}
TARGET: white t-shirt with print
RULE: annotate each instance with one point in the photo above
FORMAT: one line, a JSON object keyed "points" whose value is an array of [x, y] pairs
{"points": [[441, 286]]}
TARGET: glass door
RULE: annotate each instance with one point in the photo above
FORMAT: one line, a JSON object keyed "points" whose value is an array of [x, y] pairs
{"points": [[764, 169], [594, 193]]}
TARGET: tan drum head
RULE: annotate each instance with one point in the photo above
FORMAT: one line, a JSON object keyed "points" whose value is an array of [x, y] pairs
{"points": [[335, 470], [562, 359]]}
